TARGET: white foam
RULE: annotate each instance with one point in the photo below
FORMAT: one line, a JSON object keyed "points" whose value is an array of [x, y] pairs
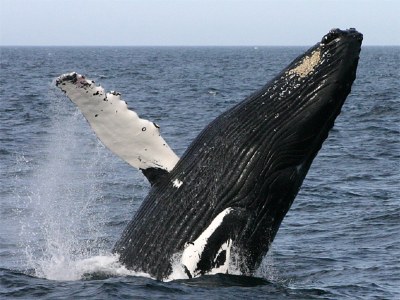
{"points": [[63, 269], [62, 232], [178, 271]]}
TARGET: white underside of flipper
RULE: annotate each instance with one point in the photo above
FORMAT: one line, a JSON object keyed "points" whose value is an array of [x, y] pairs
{"points": [[135, 140]]}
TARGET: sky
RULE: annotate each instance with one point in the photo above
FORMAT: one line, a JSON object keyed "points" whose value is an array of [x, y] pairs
{"points": [[193, 22]]}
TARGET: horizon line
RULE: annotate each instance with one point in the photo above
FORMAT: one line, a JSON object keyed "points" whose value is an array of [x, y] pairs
{"points": [[183, 45]]}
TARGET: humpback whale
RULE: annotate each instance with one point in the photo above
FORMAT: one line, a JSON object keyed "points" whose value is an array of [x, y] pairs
{"points": [[222, 202]]}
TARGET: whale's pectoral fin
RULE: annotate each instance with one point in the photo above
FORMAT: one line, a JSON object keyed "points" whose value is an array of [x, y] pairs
{"points": [[135, 140]]}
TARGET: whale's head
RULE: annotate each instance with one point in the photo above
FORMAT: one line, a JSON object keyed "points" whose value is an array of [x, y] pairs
{"points": [[315, 85], [304, 100]]}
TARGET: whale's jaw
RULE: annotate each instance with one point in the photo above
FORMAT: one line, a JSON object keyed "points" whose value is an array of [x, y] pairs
{"points": [[239, 177]]}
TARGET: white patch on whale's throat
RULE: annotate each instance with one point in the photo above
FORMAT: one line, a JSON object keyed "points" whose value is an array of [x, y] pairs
{"points": [[307, 65], [192, 253]]}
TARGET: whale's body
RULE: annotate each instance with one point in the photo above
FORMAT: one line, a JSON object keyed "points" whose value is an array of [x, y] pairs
{"points": [[222, 203]]}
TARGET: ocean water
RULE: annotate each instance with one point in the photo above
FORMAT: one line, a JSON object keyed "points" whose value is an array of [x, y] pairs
{"points": [[65, 199]]}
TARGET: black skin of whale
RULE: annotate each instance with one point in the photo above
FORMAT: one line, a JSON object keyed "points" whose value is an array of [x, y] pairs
{"points": [[253, 158]]}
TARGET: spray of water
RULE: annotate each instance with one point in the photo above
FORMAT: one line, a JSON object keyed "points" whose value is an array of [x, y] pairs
{"points": [[63, 225]]}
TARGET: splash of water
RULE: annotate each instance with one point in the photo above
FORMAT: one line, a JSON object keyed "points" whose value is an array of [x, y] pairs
{"points": [[63, 226]]}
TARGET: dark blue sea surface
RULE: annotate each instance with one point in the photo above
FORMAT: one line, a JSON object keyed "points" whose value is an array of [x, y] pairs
{"points": [[65, 199]]}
